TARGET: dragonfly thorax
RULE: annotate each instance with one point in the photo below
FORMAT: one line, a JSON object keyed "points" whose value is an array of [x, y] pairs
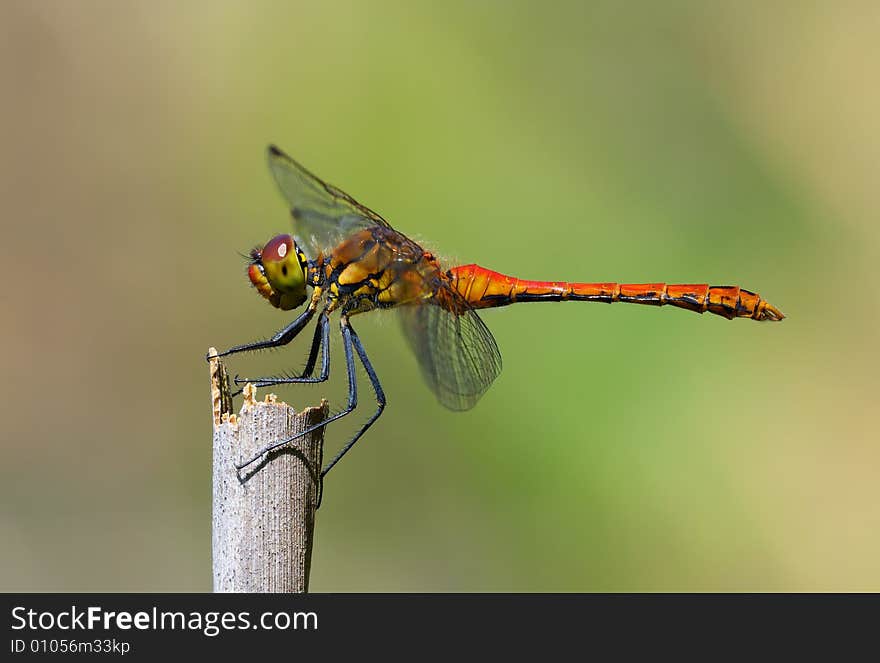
{"points": [[278, 272]]}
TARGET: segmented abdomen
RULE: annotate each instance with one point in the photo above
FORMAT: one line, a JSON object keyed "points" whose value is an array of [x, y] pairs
{"points": [[483, 288]]}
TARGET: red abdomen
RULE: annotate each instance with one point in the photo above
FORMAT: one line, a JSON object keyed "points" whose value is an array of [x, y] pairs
{"points": [[483, 288]]}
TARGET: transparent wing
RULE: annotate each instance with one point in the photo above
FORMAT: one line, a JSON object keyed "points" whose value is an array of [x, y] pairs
{"points": [[456, 351], [322, 214]]}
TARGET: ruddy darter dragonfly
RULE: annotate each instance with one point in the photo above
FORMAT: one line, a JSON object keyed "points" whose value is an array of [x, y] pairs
{"points": [[355, 262]]}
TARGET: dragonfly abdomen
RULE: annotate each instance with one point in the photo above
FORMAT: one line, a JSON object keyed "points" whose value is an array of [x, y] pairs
{"points": [[484, 288]]}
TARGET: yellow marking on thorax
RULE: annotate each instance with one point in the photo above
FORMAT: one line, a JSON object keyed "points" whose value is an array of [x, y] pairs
{"points": [[354, 272], [365, 289]]}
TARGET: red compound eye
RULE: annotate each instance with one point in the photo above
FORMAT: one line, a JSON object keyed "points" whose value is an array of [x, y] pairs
{"points": [[277, 248]]}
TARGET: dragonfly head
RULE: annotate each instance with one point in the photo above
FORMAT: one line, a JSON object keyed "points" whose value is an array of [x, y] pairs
{"points": [[278, 272]]}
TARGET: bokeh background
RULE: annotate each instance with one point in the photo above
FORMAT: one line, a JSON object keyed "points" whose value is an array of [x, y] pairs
{"points": [[623, 448]]}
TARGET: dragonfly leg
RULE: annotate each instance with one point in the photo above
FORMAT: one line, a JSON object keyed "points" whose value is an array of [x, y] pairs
{"points": [[324, 343], [282, 337], [380, 401], [352, 399], [320, 342]]}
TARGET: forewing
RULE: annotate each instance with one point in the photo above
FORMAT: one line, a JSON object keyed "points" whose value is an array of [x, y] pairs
{"points": [[322, 214], [456, 351]]}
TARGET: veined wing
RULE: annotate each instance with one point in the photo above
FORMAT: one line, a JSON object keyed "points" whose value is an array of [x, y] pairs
{"points": [[322, 214], [456, 351]]}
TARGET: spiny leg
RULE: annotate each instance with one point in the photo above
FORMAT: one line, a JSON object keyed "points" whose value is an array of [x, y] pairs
{"points": [[282, 337], [380, 401], [352, 398], [320, 342], [324, 326]]}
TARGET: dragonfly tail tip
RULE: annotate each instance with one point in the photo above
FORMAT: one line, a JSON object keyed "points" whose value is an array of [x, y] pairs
{"points": [[771, 313]]}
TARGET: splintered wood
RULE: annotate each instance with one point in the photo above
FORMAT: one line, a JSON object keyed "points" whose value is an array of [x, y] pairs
{"points": [[264, 513]]}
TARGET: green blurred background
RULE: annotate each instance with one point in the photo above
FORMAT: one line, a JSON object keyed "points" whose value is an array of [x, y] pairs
{"points": [[622, 448]]}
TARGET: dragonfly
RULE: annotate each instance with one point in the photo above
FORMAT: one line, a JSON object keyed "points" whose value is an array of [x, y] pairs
{"points": [[354, 262]]}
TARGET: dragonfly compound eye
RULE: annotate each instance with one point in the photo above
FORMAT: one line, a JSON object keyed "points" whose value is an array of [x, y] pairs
{"points": [[278, 273]]}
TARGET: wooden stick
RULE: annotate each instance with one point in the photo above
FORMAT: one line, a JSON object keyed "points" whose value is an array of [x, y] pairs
{"points": [[264, 514]]}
